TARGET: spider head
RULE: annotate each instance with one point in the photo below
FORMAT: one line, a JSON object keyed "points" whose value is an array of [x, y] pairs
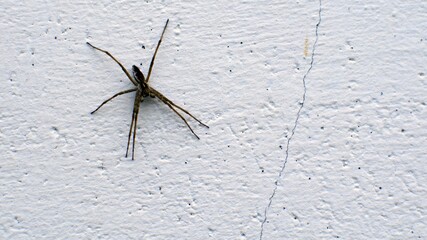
{"points": [[138, 75]]}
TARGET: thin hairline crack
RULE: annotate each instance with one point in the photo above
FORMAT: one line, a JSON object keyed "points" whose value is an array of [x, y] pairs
{"points": [[282, 170]]}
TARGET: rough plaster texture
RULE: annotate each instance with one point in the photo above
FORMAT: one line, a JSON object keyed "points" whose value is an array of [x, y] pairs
{"points": [[317, 124]]}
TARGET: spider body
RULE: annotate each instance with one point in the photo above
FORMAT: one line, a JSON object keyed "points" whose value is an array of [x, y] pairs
{"points": [[143, 90], [142, 86]]}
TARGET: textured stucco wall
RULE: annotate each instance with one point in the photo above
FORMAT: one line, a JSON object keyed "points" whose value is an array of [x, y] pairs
{"points": [[317, 114]]}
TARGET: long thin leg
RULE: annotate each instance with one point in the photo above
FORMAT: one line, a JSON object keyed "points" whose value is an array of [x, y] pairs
{"points": [[136, 110], [161, 96], [133, 124], [182, 109], [155, 52], [121, 65], [115, 95], [183, 119], [170, 106], [130, 132]]}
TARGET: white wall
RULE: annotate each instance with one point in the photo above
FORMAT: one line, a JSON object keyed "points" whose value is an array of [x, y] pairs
{"points": [[355, 164]]}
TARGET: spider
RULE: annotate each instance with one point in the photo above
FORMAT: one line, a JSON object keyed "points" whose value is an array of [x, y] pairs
{"points": [[143, 90]]}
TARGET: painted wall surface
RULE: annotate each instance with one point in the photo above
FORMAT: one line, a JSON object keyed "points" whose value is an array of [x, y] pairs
{"points": [[317, 115]]}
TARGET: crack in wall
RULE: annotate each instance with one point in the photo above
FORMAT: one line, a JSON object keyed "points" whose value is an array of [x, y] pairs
{"points": [[282, 170]]}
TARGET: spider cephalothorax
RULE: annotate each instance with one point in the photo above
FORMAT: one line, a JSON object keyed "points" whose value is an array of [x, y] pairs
{"points": [[142, 86]]}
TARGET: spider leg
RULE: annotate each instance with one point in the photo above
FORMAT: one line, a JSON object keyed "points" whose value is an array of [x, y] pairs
{"points": [[136, 103], [115, 95], [121, 65], [136, 111], [182, 109], [161, 96], [155, 52], [130, 132], [183, 119]]}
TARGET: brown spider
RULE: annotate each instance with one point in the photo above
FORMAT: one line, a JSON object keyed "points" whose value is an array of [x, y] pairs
{"points": [[144, 90]]}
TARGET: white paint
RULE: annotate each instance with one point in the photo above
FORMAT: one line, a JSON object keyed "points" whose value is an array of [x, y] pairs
{"points": [[356, 166]]}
